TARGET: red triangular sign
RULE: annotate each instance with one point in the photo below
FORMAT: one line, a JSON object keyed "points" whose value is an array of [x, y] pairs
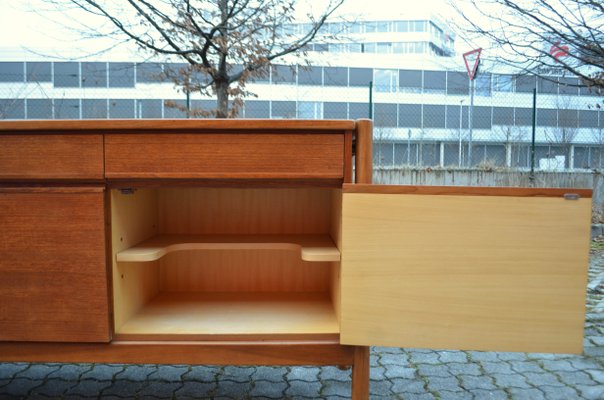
{"points": [[472, 58]]}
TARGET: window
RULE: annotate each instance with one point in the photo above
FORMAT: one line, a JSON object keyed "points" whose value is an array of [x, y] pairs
{"points": [[371, 27], [503, 116], [434, 116], [384, 48], [410, 115], [481, 118], [310, 110], [385, 80], [453, 116], [335, 110], [402, 26], [524, 116], [94, 75], [283, 109], [547, 117], [410, 81], [384, 26], [67, 74], [257, 109], [310, 75], [503, 83], [588, 118], [335, 76], [67, 108], [525, 84], [434, 81], [360, 76], [38, 71], [482, 84], [121, 75], [12, 108], [39, 109], [547, 85], [568, 118], [207, 106], [358, 110], [457, 83], [149, 73], [419, 26], [569, 86], [11, 72], [175, 108], [149, 108], [121, 108], [369, 48], [94, 108], [283, 74], [384, 115]]}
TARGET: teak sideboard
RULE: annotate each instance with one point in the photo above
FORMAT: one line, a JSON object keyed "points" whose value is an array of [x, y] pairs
{"points": [[250, 242]]}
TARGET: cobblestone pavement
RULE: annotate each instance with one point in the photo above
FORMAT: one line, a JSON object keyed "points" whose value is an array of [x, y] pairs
{"points": [[395, 373]]}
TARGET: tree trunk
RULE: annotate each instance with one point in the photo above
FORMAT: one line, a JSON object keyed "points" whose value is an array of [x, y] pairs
{"points": [[222, 99]]}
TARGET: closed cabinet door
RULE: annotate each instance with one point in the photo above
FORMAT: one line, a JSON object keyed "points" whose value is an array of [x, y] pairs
{"points": [[464, 268], [53, 280]]}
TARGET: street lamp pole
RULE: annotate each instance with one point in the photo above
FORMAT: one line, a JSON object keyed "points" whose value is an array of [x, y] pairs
{"points": [[460, 128]]}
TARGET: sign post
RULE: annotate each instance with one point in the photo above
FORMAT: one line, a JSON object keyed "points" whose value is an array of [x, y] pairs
{"points": [[471, 59]]}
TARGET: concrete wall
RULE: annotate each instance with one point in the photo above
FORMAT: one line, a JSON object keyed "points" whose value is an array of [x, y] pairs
{"points": [[444, 177]]}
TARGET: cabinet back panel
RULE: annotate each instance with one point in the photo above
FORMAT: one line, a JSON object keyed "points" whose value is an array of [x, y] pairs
{"points": [[244, 211], [242, 271]]}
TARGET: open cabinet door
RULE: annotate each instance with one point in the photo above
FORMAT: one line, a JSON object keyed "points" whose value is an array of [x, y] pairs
{"points": [[501, 269]]}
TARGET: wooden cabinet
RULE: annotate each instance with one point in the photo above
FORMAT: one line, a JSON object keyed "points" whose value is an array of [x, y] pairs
{"points": [[245, 242]]}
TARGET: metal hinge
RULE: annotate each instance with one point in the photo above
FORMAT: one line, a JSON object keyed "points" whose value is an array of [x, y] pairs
{"points": [[127, 190], [571, 196]]}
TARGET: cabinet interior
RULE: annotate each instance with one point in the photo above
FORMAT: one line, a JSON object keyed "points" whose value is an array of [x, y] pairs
{"points": [[226, 263]]}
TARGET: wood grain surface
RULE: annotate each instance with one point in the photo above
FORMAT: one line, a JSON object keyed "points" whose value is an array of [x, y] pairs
{"points": [[39, 157], [464, 272], [53, 284]]}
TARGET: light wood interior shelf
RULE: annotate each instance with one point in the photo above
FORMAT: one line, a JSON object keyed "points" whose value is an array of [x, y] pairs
{"points": [[318, 248], [244, 315]]}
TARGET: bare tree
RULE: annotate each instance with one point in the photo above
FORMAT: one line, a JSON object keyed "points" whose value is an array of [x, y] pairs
{"points": [[224, 43], [541, 36]]}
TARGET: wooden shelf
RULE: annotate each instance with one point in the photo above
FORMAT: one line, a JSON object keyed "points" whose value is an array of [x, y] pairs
{"points": [[312, 247], [201, 316]]}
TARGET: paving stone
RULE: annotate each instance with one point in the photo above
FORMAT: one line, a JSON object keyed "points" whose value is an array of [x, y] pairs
{"points": [[374, 360], [70, 372], [483, 356], [160, 389], [76, 397], [497, 367], [307, 374], [558, 365], [404, 386], [526, 366], [201, 373], [303, 389], [9, 370], [576, 378], [398, 371], [581, 363], [441, 371], [482, 394], [446, 395], [511, 381], [380, 388], [123, 388], [4, 382], [53, 388], [450, 384], [512, 356], [559, 393], [527, 394], [377, 373], [168, 373], [539, 380], [477, 382], [425, 358], [394, 359], [37, 371], [19, 387], [335, 374], [452, 356], [423, 396], [464, 369], [598, 340], [236, 374], [232, 389], [387, 350], [546, 356], [591, 392], [271, 374], [88, 388], [199, 390], [337, 388], [594, 351], [596, 375], [103, 372], [269, 389]]}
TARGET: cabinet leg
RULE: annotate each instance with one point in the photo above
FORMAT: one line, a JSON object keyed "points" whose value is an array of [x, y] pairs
{"points": [[360, 374]]}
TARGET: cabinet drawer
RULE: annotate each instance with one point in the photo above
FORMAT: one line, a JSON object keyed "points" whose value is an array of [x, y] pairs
{"points": [[225, 155], [52, 264], [38, 157]]}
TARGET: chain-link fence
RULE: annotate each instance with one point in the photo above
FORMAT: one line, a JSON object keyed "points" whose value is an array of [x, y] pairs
{"points": [[422, 118]]}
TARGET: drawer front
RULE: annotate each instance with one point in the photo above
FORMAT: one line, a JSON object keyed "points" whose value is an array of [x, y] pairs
{"points": [[38, 157], [53, 280], [224, 156]]}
